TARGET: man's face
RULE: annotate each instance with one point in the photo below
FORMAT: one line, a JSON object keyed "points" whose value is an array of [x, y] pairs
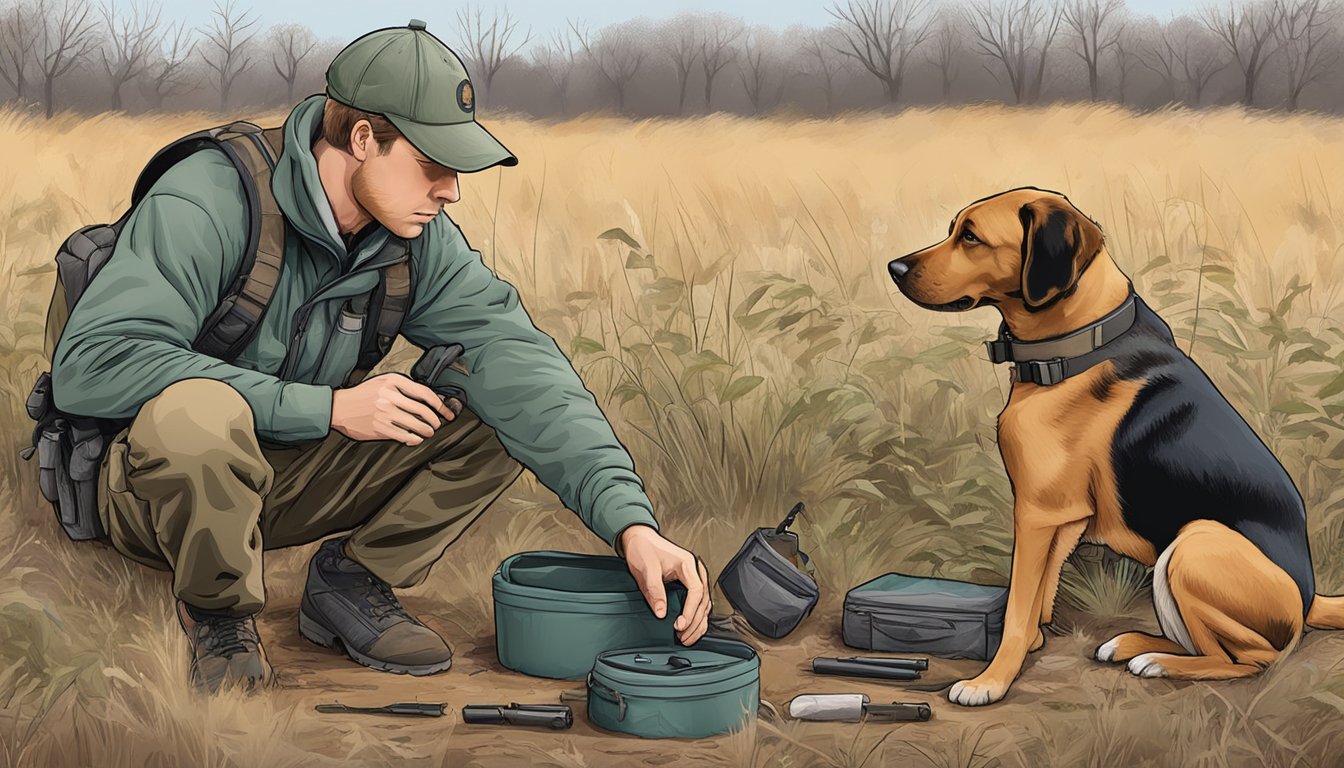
{"points": [[403, 190]]}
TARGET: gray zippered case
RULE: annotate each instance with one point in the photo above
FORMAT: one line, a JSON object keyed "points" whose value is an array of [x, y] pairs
{"points": [[912, 614]]}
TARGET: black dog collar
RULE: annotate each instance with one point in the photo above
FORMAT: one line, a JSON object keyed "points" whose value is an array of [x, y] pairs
{"points": [[1050, 361]]}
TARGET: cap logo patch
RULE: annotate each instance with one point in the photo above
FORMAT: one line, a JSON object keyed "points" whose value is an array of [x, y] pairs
{"points": [[465, 97]]}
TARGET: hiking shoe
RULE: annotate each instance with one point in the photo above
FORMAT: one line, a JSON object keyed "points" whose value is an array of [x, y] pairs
{"points": [[346, 607], [225, 649]]}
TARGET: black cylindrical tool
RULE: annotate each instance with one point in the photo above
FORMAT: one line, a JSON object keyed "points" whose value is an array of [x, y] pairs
{"points": [[557, 716], [915, 664], [827, 666]]}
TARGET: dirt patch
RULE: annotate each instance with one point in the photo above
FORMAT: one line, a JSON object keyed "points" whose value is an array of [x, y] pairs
{"points": [[1061, 689]]}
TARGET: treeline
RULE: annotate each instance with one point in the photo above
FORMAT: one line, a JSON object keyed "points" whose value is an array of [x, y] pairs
{"points": [[875, 54]]}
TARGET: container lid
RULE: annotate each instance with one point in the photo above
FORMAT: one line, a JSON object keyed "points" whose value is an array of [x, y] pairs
{"points": [[897, 590], [663, 662], [675, 659], [709, 658]]}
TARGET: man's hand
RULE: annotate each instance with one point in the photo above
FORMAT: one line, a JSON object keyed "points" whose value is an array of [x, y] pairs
{"points": [[388, 407], [653, 560]]}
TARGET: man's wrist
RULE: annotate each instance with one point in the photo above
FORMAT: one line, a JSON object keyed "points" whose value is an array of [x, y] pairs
{"points": [[619, 543]]}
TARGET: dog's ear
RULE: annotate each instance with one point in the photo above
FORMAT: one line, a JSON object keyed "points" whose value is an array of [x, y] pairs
{"points": [[1058, 242]]}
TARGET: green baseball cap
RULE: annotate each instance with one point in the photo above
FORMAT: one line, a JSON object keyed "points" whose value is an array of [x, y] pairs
{"points": [[421, 86]]}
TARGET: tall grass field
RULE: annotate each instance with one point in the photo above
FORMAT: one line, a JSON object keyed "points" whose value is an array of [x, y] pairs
{"points": [[721, 285]]}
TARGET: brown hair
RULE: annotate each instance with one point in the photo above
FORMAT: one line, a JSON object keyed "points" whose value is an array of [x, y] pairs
{"points": [[338, 120]]}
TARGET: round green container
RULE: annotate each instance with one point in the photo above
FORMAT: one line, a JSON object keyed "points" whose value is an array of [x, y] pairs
{"points": [[672, 691], [556, 611]]}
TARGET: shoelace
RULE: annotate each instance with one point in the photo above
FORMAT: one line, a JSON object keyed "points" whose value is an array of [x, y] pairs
{"points": [[383, 602], [223, 636]]}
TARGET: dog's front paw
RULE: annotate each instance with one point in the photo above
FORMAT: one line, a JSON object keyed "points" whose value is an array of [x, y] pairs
{"points": [[977, 692], [1147, 665]]}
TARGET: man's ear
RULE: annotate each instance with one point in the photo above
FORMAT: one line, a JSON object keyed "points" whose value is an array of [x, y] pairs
{"points": [[361, 136], [1058, 242]]}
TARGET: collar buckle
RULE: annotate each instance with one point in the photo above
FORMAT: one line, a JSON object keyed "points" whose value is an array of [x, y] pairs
{"points": [[1000, 350], [1044, 372]]}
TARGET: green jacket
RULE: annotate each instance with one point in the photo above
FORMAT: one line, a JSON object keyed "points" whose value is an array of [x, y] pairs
{"points": [[130, 335]]}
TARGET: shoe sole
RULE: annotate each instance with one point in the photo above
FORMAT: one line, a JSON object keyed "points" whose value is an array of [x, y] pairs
{"points": [[313, 631]]}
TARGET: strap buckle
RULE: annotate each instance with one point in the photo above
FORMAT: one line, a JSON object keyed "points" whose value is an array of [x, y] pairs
{"points": [[999, 350], [1043, 372]]}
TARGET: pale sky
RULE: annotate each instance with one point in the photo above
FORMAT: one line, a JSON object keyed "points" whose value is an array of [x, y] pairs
{"points": [[347, 19]]}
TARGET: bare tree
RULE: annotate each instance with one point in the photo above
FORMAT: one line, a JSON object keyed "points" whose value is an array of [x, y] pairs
{"points": [[680, 43], [761, 68], [290, 44], [822, 60], [1200, 61], [557, 60], [1128, 47], [130, 40], [65, 37], [1159, 56], [718, 35], [881, 35], [18, 35], [617, 53], [1304, 32], [166, 73], [489, 42], [1013, 34], [1247, 33], [229, 50], [947, 47], [1096, 26]]}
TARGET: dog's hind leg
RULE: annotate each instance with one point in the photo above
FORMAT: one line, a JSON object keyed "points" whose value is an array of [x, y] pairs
{"points": [[1232, 609], [1175, 638]]}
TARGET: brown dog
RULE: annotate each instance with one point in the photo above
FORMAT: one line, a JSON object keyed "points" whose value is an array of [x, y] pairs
{"points": [[1112, 435]]}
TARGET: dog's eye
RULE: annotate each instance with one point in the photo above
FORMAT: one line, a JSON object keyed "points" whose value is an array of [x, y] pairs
{"points": [[969, 236]]}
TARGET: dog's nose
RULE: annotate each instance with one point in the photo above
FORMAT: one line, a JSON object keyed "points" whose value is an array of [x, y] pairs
{"points": [[898, 269]]}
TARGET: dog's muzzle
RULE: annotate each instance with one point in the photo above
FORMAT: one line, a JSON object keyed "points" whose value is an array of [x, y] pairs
{"points": [[899, 268]]}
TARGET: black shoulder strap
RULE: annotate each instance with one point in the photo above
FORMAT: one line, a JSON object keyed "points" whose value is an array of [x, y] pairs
{"points": [[235, 321]]}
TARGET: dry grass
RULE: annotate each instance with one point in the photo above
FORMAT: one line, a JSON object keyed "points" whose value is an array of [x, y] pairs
{"points": [[721, 285]]}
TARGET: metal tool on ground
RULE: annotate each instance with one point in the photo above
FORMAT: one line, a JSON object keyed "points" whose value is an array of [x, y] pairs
{"points": [[920, 664], [434, 362], [404, 708], [556, 716], [855, 707], [884, 669]]}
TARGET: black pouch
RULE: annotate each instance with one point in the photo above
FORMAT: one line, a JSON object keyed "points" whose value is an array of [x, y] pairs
{"points": [[764, 582], [70, 454]]}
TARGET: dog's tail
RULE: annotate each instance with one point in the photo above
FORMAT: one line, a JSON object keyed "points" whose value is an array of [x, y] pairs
{"points": [[1327, 612]]}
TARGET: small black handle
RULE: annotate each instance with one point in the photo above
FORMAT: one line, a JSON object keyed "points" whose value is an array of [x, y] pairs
{"points": [[431, 365], [788, 520], [411, 708]]}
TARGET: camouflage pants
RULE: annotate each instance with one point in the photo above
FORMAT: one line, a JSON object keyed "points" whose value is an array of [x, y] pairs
{"points": [[189, 488]]}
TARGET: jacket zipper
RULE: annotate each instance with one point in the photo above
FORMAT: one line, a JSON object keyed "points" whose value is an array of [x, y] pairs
{"points": [[306, 310]]}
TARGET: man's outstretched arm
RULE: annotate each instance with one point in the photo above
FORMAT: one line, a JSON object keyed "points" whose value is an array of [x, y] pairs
{"points": [[523, 386]]}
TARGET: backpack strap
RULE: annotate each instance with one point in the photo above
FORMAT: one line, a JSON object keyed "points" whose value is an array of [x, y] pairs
{"points": [[387, 307], [227, 330]]}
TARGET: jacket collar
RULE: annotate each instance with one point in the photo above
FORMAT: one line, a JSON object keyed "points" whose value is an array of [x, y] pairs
{"points": [[298, 188]]}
